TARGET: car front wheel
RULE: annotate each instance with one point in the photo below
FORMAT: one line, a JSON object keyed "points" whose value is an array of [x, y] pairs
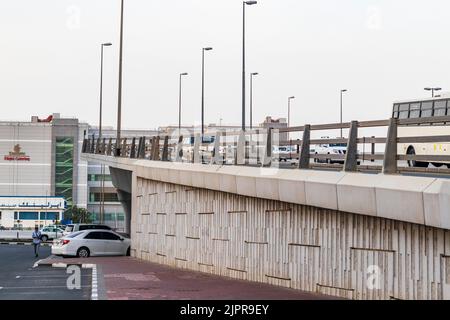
{"points": [[83, 253]]}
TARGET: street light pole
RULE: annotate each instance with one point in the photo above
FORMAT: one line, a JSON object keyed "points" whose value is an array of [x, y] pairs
{"points": [[249, 3], [342, 92], [289, 113], [251, 98], [119, 103], [102, 171], [203, 88], [433, 90], [289, 110], [179, 104]]}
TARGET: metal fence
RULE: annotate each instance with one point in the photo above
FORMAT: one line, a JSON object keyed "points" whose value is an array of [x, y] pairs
{"points": [[256, 147]]}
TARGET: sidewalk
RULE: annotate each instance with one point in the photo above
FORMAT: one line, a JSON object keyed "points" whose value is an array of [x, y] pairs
{"points": [[126, 278]]}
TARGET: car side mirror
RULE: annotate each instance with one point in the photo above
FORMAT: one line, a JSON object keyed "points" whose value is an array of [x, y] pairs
{"points": [[122, 239]]}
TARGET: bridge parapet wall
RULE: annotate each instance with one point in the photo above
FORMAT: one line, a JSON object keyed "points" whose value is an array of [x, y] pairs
{"points": [[323, 232]]}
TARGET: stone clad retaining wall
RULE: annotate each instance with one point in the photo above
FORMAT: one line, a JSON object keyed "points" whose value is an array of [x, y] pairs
{"points": [[310, 230], [296, 246]]}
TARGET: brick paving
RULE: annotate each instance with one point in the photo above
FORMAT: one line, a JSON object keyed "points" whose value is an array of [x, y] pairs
{"points": [[127, 278]]}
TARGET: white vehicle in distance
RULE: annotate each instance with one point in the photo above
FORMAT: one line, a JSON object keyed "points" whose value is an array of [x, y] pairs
{"points": [[92, 243], [51, 232], [438, 106], [84, 226], [331, 149], [284, 153]]}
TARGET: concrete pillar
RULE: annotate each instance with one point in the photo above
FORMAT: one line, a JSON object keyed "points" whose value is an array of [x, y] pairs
{"points": [[109, 147], [179, 149], [165, 155], [155, 148], [133, 148], [196, 150], [217, 157], [351, 157], [125, 200], [240, 151], [390, 153], [267, 156], [305, 150]]}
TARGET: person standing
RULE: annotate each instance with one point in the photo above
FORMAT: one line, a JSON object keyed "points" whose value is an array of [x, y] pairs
{"points": [[36, 241]]}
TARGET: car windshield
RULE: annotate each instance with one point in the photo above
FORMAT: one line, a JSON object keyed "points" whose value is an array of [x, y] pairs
{"points": [[75, 234], [69, 228]]}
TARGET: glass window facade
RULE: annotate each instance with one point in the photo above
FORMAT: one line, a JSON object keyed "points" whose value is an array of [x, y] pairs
{"points": [[98, 177], [64, 168], [109, 197]]}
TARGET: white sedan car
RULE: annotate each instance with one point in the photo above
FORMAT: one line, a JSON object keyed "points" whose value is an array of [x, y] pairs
{"points": [[88, 243]]}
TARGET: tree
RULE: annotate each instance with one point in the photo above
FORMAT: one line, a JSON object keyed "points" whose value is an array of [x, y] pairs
{"points": [[78, 215]]}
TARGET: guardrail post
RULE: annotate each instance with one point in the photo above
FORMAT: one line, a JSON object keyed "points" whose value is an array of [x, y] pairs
{"points": [[138, 149], [141, 154], [133, 148], [155, 149], [305, 153], [372, 149], [351, 156], [390, 153], [179, 155], [240, 151], [267, 156], [165, 155], [196, 150], [93, 144], [216, 155], [109, 147], [84, 147], [124, 151], [98, 146]]}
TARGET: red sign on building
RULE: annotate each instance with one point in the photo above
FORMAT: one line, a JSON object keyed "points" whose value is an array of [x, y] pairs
{"points": [[17, 155]]}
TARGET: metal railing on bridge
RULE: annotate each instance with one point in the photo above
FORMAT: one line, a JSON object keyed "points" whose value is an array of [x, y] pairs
{"points": [[258, 147]]}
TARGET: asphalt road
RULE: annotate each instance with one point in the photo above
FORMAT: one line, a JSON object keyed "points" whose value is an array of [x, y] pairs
{"points": [[20, 281]]}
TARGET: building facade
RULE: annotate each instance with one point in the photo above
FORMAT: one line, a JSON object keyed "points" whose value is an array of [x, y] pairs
{"points": [[41, 159]]}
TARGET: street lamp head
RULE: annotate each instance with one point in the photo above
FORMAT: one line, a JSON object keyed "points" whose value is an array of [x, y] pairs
{"points": [[108, 44], [290, 98], [250, 3], [255, 73], [207, 49], [437, 89], [427, 89], [184, 74], [344, 90]]}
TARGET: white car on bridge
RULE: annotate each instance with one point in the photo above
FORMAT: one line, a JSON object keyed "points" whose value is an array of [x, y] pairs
{"points": [[88, 243], [331, 149]]}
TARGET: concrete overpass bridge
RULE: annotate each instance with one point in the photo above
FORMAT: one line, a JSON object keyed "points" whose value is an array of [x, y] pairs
{"points": [[344, 231]]}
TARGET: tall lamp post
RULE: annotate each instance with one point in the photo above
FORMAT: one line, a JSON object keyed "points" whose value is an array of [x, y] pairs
{"points": [[251, 98], [289, 110], [289, 113], [342, 93], [119, 102], [433, 90], [179, 103], [102, 170], [203, 88], [248, 3]]}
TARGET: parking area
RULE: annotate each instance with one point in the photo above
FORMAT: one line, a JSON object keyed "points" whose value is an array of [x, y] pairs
{"points": [[126, 278], [21, 279]]}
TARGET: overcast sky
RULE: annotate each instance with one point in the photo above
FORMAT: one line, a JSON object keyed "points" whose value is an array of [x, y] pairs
{"points": [[380, 50]]}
